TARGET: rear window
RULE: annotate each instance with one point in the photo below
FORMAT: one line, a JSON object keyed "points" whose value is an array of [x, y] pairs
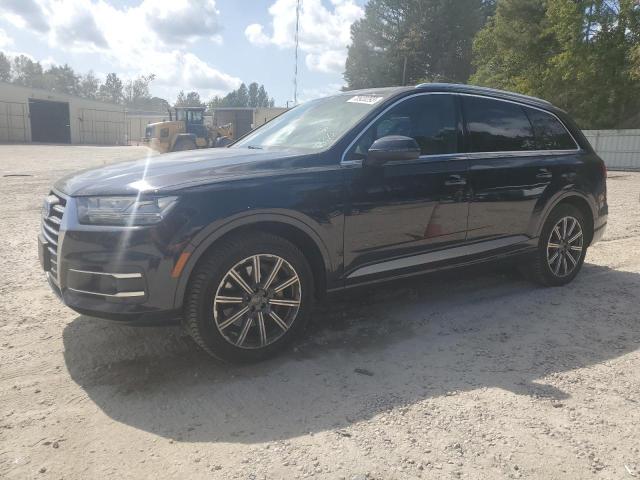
{"points": [[496, 126], [550, 133]]}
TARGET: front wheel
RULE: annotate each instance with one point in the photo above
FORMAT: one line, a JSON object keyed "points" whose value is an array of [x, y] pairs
{"points": [[249, 298], [561, 249]]}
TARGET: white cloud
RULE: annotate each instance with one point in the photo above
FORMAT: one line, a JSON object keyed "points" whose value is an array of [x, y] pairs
{"points": [[324, 33], [5, 40], [307, 94], [328, 61], [25, 13], [183, 20], [73, 24], [151, 37], [255, 34]]}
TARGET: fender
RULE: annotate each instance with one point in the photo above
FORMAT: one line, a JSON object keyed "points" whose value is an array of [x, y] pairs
{"points": [[539, 218], [208, 236]]}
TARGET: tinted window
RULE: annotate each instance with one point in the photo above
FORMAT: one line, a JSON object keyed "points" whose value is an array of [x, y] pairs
{"points": [[496, 126], [550, 133], [429, 119]]}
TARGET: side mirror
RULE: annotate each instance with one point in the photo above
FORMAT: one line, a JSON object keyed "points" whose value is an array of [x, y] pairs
{"points": [[392, 148]]}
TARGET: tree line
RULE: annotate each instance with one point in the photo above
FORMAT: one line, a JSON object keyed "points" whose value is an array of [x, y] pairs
{"points": [[134, 93], [582, 55]]}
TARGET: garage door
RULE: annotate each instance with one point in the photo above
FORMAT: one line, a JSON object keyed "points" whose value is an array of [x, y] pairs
{"points": [[49, 121]]}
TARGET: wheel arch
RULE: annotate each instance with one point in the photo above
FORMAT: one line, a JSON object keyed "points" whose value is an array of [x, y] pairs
{"points": [[578, 200], [290, 228]]}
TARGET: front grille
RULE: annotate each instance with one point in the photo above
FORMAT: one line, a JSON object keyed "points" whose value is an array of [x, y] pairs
{"points": [[51, 220]]}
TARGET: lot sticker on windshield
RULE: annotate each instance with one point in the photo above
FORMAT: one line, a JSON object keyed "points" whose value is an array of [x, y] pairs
{"points": [[366, 99]]}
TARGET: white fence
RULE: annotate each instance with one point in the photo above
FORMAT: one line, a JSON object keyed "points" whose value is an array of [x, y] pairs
{"points": [[620, 149]]}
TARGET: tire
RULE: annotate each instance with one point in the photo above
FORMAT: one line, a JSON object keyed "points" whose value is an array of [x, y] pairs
{"points": [[549, 269], [184, 144], [216, 299]]}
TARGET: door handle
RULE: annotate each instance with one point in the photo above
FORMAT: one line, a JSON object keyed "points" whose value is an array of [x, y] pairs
{"points": [[455, 181], [544, 174]]}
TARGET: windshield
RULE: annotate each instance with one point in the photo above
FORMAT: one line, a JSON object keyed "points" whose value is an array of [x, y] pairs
{"points": [[313, 126]]}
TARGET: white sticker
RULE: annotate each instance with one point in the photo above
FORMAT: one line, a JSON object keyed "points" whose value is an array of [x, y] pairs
{"points": [[366, 99]]}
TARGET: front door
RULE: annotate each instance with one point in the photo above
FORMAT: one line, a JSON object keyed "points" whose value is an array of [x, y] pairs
{"points": [[405, 208]]}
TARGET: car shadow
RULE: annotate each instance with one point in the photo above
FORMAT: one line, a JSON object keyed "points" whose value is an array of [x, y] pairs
{"points": [[367, 351]]}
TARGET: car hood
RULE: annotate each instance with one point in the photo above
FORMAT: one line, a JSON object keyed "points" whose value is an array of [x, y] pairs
{"points": [[174, 171]]}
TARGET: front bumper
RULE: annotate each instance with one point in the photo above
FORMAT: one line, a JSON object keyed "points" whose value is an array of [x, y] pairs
{"points": [[118, 273]]}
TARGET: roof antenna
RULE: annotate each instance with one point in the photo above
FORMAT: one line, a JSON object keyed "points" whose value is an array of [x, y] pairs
{"points": [[295, 72]]}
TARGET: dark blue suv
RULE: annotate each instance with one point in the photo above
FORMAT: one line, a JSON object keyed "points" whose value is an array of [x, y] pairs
{"points": [[357, 188]]}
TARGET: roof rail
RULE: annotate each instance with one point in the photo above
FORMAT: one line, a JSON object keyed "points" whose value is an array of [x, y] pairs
{"points": [[476, 89]]}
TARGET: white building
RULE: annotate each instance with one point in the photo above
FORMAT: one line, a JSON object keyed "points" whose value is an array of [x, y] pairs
{"points": [[34, 115]]}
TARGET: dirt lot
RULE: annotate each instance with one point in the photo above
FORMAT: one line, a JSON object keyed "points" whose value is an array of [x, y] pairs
{"points": [[480, 375]]}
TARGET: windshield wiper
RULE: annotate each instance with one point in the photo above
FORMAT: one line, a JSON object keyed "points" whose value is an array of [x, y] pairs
{"points": [[254, 147]]}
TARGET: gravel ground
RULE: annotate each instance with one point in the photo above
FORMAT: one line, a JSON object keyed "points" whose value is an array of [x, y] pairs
{"points": [[475, 375]]}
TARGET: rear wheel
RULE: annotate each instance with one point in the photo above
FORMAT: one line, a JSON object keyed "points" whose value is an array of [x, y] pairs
{"points": [[184, 144], [249, 298], [561, 249]]}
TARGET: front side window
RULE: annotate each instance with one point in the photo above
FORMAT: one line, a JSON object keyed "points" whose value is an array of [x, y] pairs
{"points": [[431, 120], [497, 126], [550, 133]]}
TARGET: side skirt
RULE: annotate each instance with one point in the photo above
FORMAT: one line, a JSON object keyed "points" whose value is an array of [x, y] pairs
{"points": [[455, 257]]}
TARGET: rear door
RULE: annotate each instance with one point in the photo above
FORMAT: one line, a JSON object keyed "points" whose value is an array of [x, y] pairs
{"points": [[405, 208], [509, 167]]}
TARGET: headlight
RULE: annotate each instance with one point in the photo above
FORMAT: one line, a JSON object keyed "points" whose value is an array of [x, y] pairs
{"points": [[125, 211]]}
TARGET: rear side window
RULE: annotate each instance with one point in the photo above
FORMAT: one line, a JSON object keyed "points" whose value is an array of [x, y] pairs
{"points": [[550, 133], [429, 119], [496, 126]]}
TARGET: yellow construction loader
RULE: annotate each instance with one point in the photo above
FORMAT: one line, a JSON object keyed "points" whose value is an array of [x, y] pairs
{"points": [[186, 130]]}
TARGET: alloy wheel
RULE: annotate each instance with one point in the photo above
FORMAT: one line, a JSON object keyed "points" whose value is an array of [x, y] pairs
{"points": [[257, 301], [564, 247]]}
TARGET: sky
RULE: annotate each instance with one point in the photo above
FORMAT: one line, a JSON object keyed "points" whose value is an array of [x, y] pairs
{"points": [[210, 46]]}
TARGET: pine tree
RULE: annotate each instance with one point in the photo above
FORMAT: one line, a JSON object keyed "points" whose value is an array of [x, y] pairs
{"points": [[5, 68], [408, 41], [111, 90], [89, 86], [577, 54]]}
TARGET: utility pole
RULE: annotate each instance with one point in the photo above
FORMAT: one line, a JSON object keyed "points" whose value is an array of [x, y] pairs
{"points": [[295, 72], [404, 72]]}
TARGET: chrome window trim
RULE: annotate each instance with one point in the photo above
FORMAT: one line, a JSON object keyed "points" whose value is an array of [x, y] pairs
{"points": [[114, 275], [522, 153], [352, 163]]}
